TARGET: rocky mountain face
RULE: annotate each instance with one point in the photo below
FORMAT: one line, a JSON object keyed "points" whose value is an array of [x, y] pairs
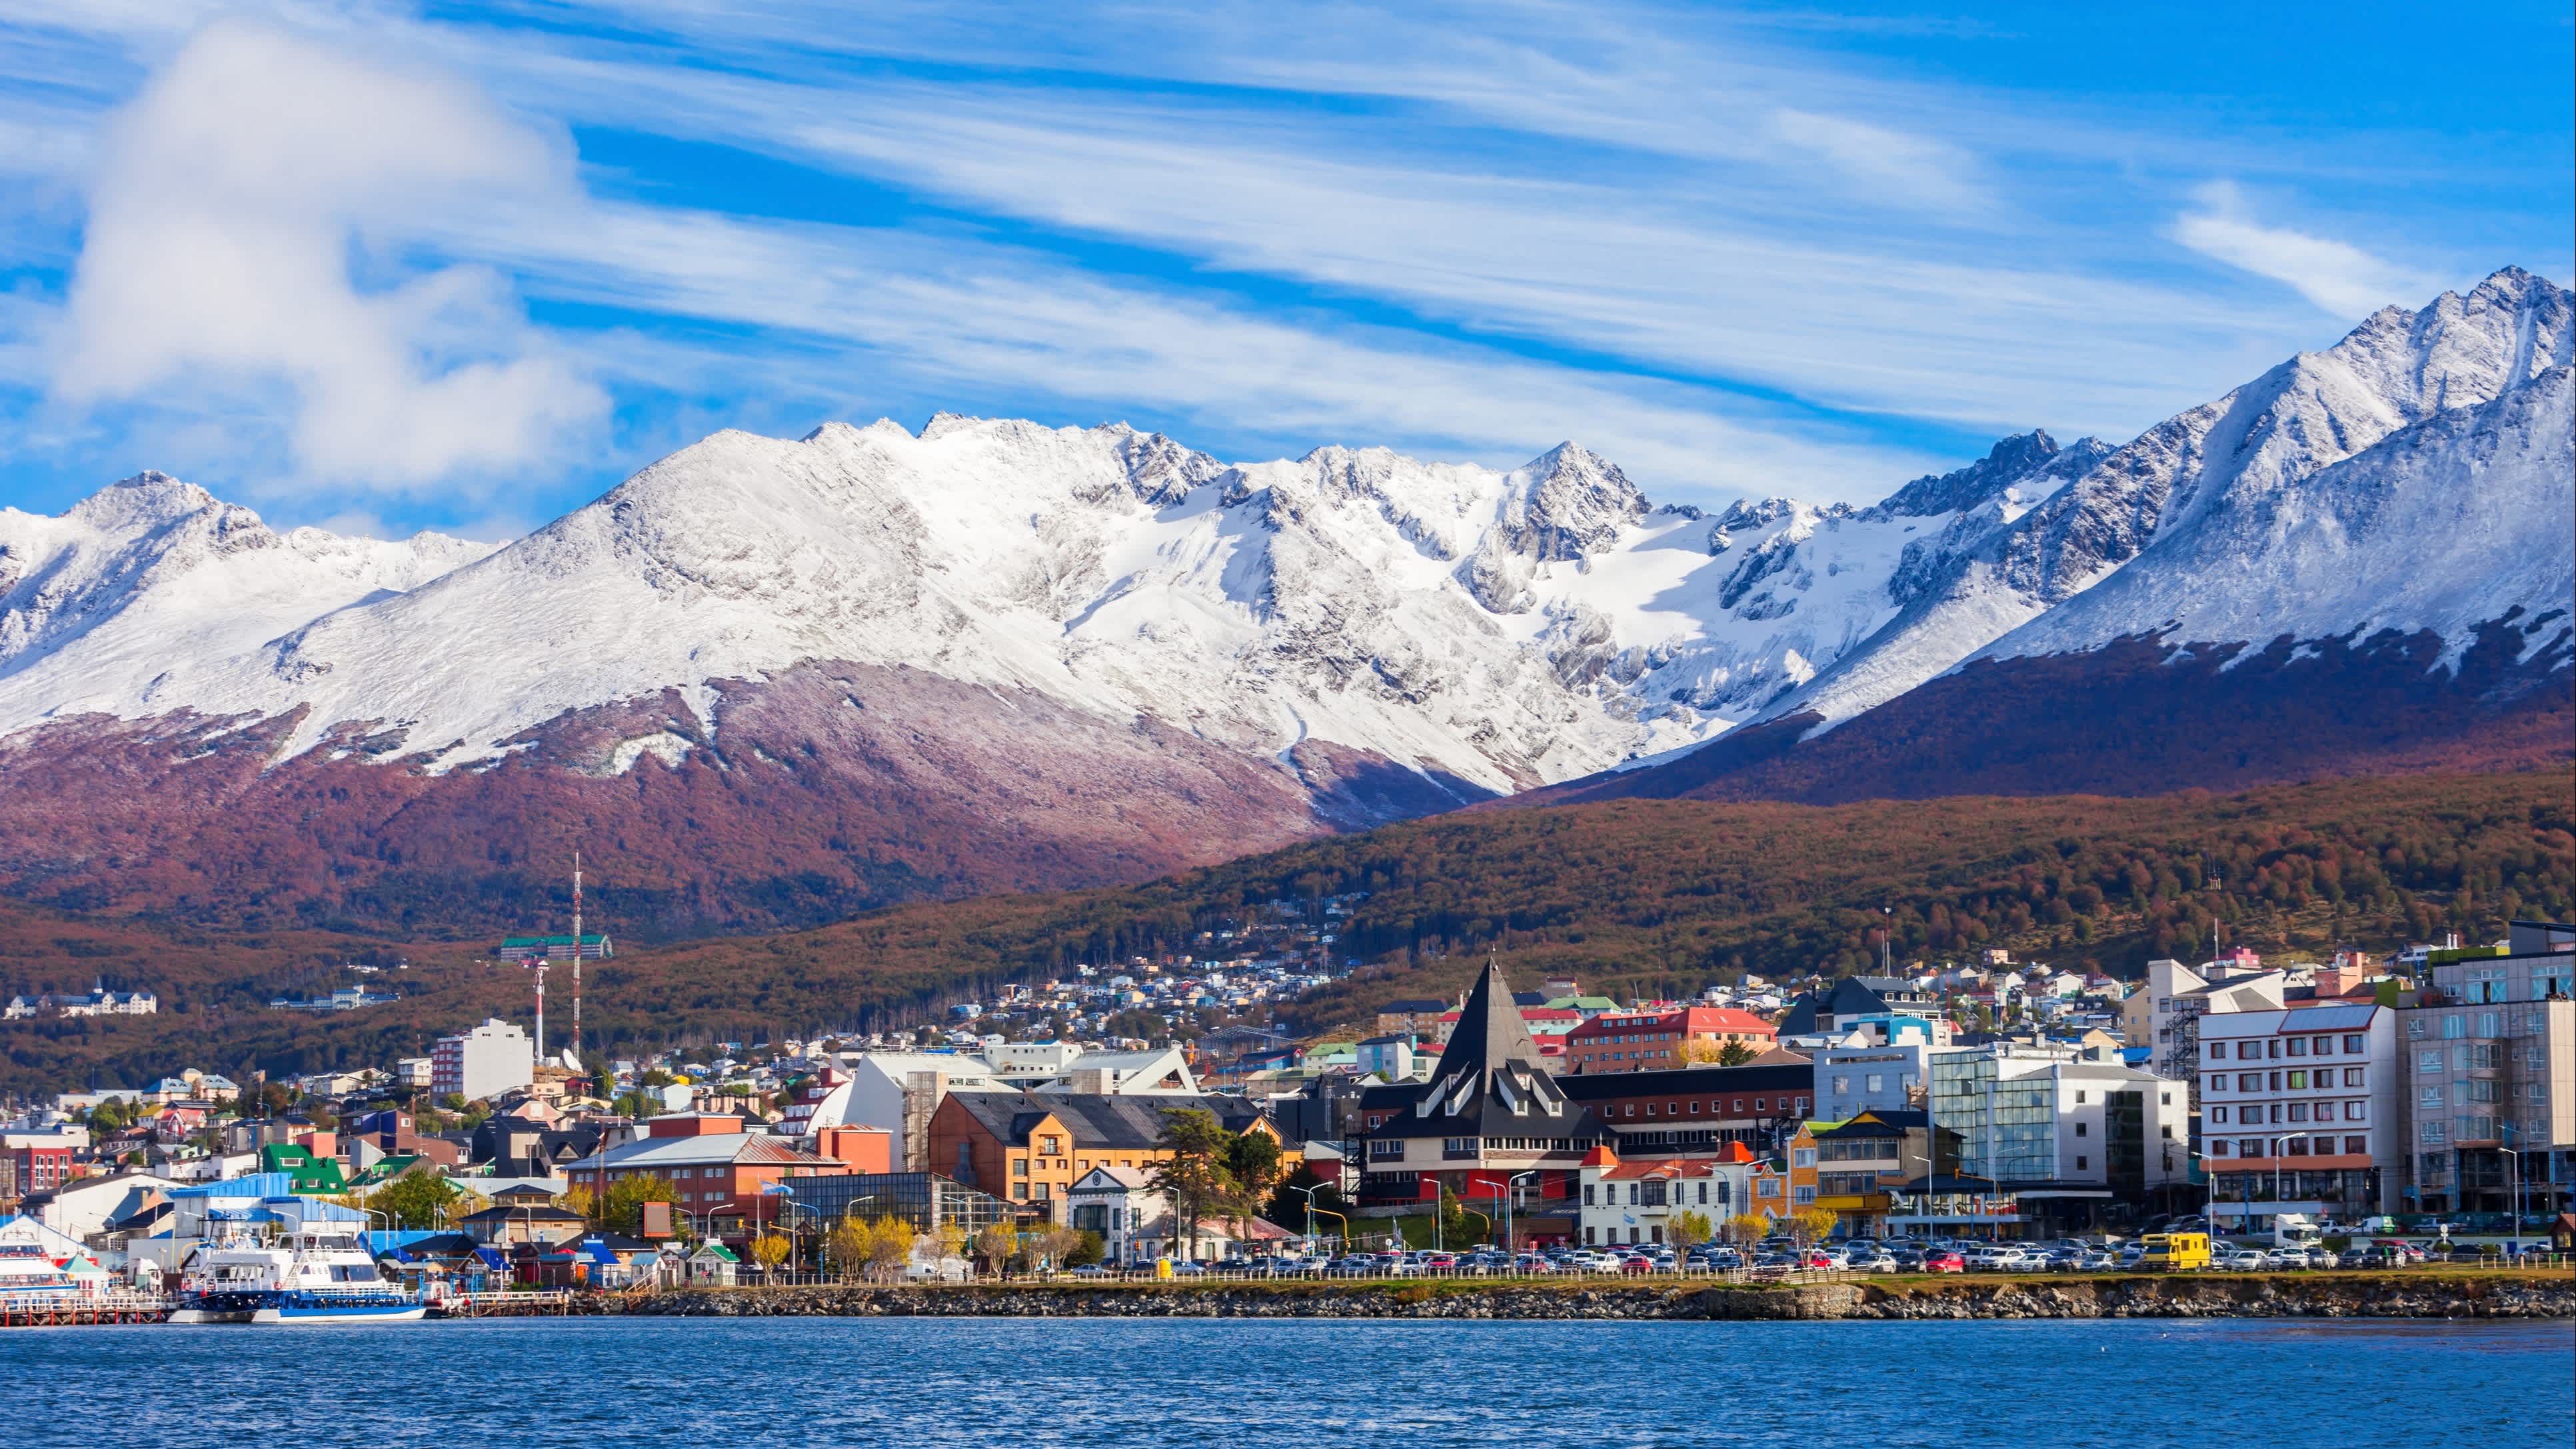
{"points": [[778, 681]]}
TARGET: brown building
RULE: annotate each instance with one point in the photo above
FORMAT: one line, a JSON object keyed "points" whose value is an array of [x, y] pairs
{"points": [[1641, 1041], [1030, 1148]]}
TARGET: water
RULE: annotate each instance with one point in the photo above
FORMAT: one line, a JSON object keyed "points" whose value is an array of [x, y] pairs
{"points": [[1273, 1384]]}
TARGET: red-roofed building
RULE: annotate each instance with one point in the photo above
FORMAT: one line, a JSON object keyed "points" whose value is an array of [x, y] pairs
{"points": [[1633, 1201], [1635, 1041]]}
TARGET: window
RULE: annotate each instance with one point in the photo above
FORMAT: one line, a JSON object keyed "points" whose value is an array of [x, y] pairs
{"points": [[2352, 1077], [1804, 1197], [2429, 1061], [2167, 1131], [2272, 1080], [2357, 1146], [2217, 1146], [2296, 1146], [2429, 1097], [1757, 1104], [2250, 1082], [1703, 1193], [2251, 1147], [2323, 1046], [1050, 1146], [2434, 1132], [1877, 1083], [2355, 1045], [2298, 1081], [1802, 1157], [1841, 1085], [2356, 1111], [1037, 1192], [1019, 1167], [1694, 1106], [2325, 1111], [1672, 1109], [1382, 1149], [2079, 1162], [2083, 1129], [2079, 1098], [2218, 1115], [2454, 1026], [2298, 1046], [2298, 1111], [1634, 1193], [1650, 1109], [2272, 1048], [1587, 1194], [2218, 1051]]}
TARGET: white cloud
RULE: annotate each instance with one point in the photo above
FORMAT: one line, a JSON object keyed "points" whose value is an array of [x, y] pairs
{"points": [[2336, 276], [248, 228], [1907, 170]]}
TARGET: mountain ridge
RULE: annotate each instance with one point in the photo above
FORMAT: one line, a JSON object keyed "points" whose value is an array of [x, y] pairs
{"points": [[999, 655]]}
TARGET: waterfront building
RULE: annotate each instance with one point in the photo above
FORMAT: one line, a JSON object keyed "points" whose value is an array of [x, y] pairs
{"points": [[1030, 1148], [2301, 1112], [1634, 1201], [717, 1169], [2490, 1054], [1698, 1110], [2064, 1135], [1490, 1113]]}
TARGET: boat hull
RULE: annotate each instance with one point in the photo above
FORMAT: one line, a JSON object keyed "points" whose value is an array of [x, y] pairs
{"points": [[342, 1313]]}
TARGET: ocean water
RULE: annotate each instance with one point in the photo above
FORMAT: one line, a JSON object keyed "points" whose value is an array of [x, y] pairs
{"points": [[1037, 1383]]}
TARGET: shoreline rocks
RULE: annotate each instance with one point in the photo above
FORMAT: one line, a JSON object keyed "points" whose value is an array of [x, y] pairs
{"points": [[2520, 1296]]}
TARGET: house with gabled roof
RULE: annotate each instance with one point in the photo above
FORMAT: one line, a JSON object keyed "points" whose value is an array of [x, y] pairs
{"points": [[1491, 1112]]}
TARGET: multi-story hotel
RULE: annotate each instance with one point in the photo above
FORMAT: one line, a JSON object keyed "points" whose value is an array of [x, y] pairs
{"points": [[2301, 1112]]}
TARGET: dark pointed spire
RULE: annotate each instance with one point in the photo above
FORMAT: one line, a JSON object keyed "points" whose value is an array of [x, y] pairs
{"points": [[1490, 1063]]}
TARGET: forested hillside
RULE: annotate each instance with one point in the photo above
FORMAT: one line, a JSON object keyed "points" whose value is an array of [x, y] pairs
{"points": [[1632, 896]]}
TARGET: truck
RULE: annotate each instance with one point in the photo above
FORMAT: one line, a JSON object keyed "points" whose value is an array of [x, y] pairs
{"points": [[2174, 1252], [2296, 1230]]}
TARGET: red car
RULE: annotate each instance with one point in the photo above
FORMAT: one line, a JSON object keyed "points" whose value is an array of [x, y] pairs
{"points": [[1637, 1265], [1944, 1261]]}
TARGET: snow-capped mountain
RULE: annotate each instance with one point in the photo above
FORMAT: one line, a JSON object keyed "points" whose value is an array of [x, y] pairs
{"points": [[2393, 513], [2396, 369], [996, 654]]}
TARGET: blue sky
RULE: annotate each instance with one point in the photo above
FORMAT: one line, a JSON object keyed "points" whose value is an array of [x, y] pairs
{"points": [[464, 266]]}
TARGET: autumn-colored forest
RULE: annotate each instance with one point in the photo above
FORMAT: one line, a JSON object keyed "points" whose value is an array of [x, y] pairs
{"points": [[1633, 897]]}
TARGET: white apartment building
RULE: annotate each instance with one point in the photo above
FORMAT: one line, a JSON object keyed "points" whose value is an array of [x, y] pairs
{"points": [[491, 1059], [2301, 1112], [2160, 1015]]}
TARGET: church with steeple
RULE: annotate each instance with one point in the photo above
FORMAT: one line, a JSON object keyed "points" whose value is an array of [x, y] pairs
{"points": [[1490, 1113]]}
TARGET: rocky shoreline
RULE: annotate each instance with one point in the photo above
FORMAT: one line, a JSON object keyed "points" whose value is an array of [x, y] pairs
{"points": [[2395, 1295]]}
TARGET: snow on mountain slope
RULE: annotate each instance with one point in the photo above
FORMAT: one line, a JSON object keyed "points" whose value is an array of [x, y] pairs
{"points": [[2396, 369], [2429, 528], [1498, 629], [100, 604]]}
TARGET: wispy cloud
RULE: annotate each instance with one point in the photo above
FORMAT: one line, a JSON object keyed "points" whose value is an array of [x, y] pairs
{"points": [[2337, 276]]}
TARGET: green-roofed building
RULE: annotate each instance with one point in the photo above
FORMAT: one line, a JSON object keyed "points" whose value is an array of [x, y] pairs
{"points": [[594, 947]]}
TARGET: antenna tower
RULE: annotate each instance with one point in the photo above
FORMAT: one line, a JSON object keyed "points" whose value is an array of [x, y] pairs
{"points": [[576, 954]]}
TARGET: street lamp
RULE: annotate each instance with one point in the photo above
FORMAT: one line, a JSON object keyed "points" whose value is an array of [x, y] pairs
{"points": [[1510, 1185]]}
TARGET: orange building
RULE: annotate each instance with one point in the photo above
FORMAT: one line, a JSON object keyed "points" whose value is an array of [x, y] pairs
{"points": [[1030, 1149]]}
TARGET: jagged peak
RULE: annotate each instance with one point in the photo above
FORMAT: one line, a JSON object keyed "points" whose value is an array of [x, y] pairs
{"points": [[150, 500]]}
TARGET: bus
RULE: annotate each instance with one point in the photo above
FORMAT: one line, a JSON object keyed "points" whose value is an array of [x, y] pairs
{"points": [[2174, 1252]]}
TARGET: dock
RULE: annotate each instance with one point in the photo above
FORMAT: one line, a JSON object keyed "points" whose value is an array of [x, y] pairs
{"points": [[85, 1311]]}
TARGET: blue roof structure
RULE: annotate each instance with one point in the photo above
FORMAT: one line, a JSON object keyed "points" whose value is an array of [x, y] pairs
{"points": [[262, 1185]]}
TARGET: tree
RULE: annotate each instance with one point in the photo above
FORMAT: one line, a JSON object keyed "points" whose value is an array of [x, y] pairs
{"points": [[995, 1244], [1287, 1205], [1054, 1245], [850, 1246], [1736, 1054], [623, 1210], [580, 1199], [890, 1246], [1090, 1250], [949, 1239], [1746, 1229], [1194, 1176], [1685, 1231], [770, 1248], [1456, 1231], [415, 1200], [1252, 1173], [1812, 1225]]}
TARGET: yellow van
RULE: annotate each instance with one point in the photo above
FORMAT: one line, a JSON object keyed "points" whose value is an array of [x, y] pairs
{"points": [[2174, 1252]]}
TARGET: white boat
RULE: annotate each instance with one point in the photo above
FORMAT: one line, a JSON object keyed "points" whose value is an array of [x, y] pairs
{"points": [[306, 1278], [29, 1275]]}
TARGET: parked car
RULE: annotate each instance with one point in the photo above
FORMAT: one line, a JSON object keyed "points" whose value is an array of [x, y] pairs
{"points": [[2285, 1258], [2233, 1259], [1872, 1261], [1944, 1260]]}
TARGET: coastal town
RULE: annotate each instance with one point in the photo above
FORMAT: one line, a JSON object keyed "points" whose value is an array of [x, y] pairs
{"points": [[1147, 1120]]}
